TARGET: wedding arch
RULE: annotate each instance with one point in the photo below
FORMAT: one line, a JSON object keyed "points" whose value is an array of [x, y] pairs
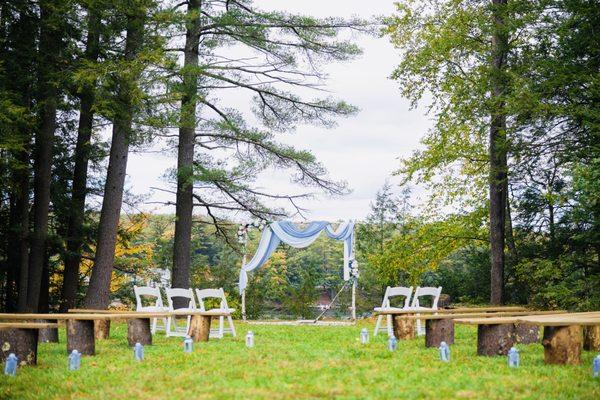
{"points": [[287, 232]]}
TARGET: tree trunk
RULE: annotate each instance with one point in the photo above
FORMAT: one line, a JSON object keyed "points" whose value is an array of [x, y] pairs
{"points": [[102, 329], [562, 344], [591, 338], [498, 152], [496, 339], [80, 173], [18, 254], [438, 331], [185, 152], [527, 333], [404, 328], [50, 46], [97, 296], [22, 342], [80, 336], [200, 328], [138, 331]]}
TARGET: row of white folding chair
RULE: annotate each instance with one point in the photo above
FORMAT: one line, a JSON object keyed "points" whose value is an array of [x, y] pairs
{"points": [[170, 323], [414, 305]]}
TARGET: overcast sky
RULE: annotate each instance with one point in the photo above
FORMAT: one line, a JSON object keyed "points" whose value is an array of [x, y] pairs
{"points": [[362, 150]]}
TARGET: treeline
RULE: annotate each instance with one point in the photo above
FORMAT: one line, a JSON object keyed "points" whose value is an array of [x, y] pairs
{"points": [[512, 164], [83, 83]]}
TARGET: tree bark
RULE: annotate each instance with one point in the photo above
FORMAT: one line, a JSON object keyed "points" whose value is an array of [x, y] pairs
{"points": [[404, 328], [496, 339], [527, 333], [138, 331], [591, 338], [562, 344], [185, 152], [48, 335], [97, 296], [498, 152], [102, 329], [80, 172], [438, 331], [200, 328], [80, 336], [22, 342], [49, 49]]}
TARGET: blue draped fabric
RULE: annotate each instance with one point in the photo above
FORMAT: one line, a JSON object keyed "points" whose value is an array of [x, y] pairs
{"points": [[287, 232]]}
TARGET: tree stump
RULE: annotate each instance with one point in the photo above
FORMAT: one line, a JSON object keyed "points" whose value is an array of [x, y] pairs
{"points": [[404, 328], [496, 339], [591, 338], [444, 301], [80, 336], [138, 331], [200, 328], [48, 335], [22, 342], [102, 329], [527, 333], [562, 344], [438, 331]]}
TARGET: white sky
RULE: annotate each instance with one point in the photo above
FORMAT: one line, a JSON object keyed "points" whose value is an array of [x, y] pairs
{"points": [[362, 150]]}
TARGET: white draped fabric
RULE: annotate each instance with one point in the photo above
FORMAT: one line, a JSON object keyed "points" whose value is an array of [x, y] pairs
{"points": [[287, 232]]}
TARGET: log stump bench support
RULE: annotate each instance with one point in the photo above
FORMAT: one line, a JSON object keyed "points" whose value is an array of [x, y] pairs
{"points": [[404, 328], [563, 344], [48, 335], [80, 336], [21, 338], [200, 328], [138, 331], [591, 338], [495, 339], [438, 331]]}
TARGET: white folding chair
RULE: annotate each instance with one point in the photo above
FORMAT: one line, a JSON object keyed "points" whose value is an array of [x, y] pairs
{"points": [[392, 292], [158, 306], [172, 328], [435, 293], [219, 294]]}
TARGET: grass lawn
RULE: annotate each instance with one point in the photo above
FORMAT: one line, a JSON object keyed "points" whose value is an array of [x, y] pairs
{"points": [[296, 362]]}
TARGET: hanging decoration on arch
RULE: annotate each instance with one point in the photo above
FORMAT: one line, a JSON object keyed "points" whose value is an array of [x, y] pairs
{"points": [[285, 231]]}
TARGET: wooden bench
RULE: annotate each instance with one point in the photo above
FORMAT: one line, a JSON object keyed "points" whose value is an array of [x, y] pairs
{"points": [[21, 338], [80, 325], [403, 320], [440, 327], [562, 338]]}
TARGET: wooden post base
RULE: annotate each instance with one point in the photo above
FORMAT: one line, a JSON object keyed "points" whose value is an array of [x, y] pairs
{"points": [[138, 331], [404, 328], [22, 342], [527, 333], [591, 338], [438, 331], [80, 336], [562, 344], [48, 335], [496, 339], [102, 329], [200, 328]]}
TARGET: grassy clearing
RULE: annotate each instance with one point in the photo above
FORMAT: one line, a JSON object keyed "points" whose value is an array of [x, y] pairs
{"points": [[296, 362]]}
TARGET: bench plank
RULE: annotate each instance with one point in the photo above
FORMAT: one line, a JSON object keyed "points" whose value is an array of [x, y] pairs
{"points": [[396, 311], [27, 325], [483, 315]]}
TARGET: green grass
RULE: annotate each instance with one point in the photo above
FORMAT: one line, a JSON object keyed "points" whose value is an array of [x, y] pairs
{"points": [[296, 362]]}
